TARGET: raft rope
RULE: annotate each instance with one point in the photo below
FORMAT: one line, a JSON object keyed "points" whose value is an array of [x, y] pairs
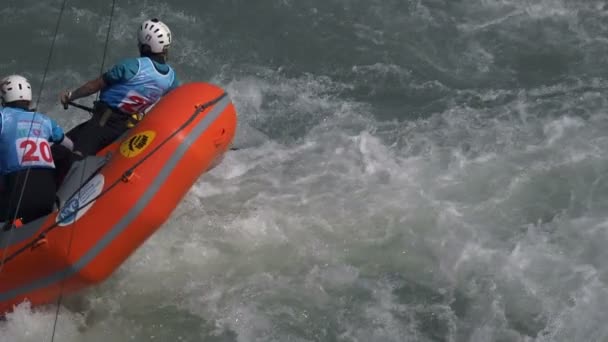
{"points": [[105, 47], [73, 225]]}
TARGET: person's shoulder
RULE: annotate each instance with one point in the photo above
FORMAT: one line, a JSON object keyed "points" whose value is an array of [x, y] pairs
{"points": [[43, 116], [128, 63], [170, 66], [171, 69], [10, 111], [163, 68], [122, 71]]}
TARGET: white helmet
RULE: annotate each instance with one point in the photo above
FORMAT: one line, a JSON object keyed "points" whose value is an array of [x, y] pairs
{"points": [[15, 88], [155, 34]]}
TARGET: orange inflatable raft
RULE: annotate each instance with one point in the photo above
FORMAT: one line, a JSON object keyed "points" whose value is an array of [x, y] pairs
{"points": [[111, 203]]}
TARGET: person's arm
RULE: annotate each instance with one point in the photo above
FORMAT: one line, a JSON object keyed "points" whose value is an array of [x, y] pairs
{"points": [[68, 143], [119, 73], [59, 137], [89, 88]]}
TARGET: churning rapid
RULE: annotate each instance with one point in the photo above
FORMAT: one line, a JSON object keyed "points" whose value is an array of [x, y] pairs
{"points": [[415, 170]]}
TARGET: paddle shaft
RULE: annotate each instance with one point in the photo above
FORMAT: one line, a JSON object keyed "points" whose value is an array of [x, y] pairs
{"points": [[88, 109]]}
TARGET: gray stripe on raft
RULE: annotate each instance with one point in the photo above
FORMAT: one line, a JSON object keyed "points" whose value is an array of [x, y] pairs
{"points": [[132, 214]]}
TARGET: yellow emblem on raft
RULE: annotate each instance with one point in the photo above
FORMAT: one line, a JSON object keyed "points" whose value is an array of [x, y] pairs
{"points": [[136, 143]]}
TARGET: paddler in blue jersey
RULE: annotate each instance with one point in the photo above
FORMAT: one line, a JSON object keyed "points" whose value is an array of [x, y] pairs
{"points": [[127, 90], [26, 162]]}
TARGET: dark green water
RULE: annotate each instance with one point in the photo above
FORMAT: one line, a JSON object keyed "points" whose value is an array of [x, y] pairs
{"points": [[425, 170]]}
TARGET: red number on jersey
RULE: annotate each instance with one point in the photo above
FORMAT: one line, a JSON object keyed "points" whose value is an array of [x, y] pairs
{"points": [[133, 104]]}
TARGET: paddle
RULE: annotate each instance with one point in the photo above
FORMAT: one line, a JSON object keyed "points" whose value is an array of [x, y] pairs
{"points": [[72, 103]]}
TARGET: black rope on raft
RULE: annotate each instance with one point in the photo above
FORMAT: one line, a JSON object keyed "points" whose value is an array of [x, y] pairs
{"points": [[125, 176], [73, 225]]}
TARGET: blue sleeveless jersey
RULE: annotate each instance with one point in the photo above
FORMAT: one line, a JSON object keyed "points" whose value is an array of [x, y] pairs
{"points": [[25, 138], [141, 91]]}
